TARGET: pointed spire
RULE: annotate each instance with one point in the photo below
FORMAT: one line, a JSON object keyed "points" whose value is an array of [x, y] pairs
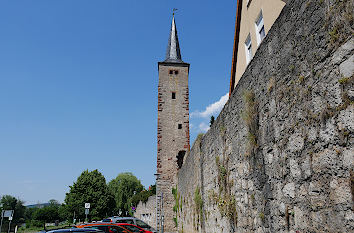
{"points": [[173, 53]]}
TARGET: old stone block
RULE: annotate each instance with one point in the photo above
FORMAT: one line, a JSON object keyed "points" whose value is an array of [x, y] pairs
{"points": [[345, 118], [296, 142], [333, 92], [306, 168], [324, 161], [347, 67], [294, 169], [282, 208], [312, 134], [343, 51], [317, 198], [349, 216], [329, 132], [315, 188], [318, 103], [268, 157], [301, 218], [316, 220], [289, 190], [348, 157], [250, 185], [340, 191], [303, 190]]}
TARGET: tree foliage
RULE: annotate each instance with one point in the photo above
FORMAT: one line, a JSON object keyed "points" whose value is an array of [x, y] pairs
{"points": [[212, 119], [143, 196], [9, 202], [48, 213], [124, 186], [90, 187]]}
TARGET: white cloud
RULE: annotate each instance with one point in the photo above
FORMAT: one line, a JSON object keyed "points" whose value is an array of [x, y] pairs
{"points": [[191, 126], [212, 109], [204, 127]]}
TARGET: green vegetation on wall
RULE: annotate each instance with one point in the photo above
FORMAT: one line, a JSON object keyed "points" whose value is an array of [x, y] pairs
{"points": [[250, 117]]}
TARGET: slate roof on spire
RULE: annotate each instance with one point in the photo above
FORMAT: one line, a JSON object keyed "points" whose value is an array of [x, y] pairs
{"points": [[173, 53]]}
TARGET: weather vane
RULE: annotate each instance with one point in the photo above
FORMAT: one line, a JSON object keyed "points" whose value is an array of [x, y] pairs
{"points": [[174, 10]]}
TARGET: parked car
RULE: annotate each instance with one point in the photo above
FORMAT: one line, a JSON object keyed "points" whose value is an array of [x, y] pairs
{"points": [[130, 220], [76, 230], [130, 227], [105, 227]]}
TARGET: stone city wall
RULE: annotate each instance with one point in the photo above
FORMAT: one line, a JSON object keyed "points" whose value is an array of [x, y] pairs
{"points": [[147, 211], [280, 157]]}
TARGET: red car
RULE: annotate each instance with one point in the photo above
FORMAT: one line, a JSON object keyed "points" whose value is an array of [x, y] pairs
{"points": [[115, 227]]}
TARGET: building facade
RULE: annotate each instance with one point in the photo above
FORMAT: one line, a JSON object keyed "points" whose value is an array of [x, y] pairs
{"points": [[172, 129], [254, 18]]}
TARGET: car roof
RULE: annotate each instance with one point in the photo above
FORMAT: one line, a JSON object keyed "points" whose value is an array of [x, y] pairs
{"points": [[74, 230], [102, 224], [105, 224]]}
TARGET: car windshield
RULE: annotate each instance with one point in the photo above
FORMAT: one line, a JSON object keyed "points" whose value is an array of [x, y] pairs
{"points": [[129, 221], [142, 224], [132, 228], [107, 220]]}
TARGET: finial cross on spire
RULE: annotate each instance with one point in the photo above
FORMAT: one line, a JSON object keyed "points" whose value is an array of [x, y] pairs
{"points": [[173, 53], [174, 10]]}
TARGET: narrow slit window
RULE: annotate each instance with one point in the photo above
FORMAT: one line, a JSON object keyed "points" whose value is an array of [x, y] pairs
{"points": [[179, 126], [173, 95]]}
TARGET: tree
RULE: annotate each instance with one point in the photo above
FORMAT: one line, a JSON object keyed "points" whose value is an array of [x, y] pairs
{"points": [[90, 187], [142, 196], [11, 203], [48, 213], [212, 119], [53, 202], [123, 187]]}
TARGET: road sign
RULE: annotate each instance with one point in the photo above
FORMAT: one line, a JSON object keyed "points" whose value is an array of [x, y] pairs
{"points": [[8, 213], [87, 205], [87, 211]]}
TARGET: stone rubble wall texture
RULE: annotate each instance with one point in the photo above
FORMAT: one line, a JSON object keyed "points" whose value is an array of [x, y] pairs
{"points": [[147, 211], [280, 156]]}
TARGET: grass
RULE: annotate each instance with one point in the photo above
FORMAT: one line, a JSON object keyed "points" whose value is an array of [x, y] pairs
{"points": [[339, 22], [344, 80]]}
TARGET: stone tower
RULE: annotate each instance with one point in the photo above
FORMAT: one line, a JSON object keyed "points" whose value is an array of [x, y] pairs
{"points": [[172, 128]]}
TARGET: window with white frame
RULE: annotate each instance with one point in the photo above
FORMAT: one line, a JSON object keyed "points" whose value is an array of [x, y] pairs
{"points": [[260, 31], [248, 47]]}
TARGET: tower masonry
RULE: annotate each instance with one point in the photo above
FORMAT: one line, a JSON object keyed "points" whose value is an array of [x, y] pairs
{"points": [[172, 128]]}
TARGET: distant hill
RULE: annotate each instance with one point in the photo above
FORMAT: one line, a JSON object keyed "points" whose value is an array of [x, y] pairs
{"points": [[38, 205]]}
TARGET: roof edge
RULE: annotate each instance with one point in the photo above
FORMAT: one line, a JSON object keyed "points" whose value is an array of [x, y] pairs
{"points": [[235, 49]]}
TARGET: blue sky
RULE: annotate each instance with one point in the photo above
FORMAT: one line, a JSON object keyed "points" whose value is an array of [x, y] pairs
{"points": [[78, 85]]}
